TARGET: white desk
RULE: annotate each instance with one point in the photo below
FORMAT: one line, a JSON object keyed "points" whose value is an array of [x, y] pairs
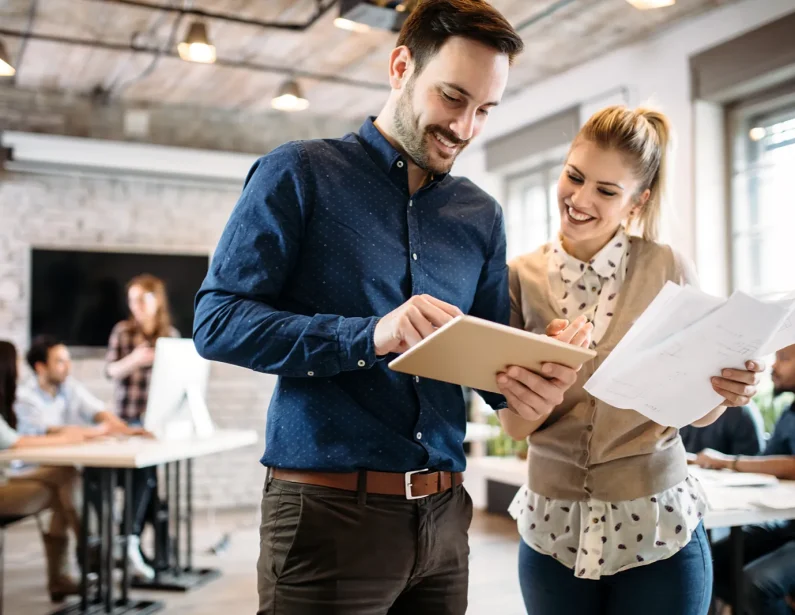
{"points": [[132, 452], [108, 456]]}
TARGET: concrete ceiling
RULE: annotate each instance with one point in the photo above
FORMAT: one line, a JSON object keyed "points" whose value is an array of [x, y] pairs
{"points": [[558, 34]]}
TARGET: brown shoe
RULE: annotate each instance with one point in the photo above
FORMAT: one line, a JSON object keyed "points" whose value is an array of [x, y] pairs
{"points": [[60, 583]]}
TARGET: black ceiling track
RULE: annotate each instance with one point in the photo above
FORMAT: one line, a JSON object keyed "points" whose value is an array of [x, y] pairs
{"points": [[322, 8]]}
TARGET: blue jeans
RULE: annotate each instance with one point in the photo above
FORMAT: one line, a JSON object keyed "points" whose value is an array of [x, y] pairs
{"points": [[681, 585], [769, 554]]}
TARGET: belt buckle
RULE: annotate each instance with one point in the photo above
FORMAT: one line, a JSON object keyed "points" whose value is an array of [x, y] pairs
{"points": [[407, 482]]}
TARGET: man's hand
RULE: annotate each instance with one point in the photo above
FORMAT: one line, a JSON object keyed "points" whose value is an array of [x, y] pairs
{"points": [[70, 436], [117, 427], [714, 460], [411, 323], [81, 432], [578, 333], [738, 386], [534, 397], [139, 431]]}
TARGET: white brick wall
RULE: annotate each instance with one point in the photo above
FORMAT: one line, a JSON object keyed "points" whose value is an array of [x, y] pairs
{"points": [[119, 214]]}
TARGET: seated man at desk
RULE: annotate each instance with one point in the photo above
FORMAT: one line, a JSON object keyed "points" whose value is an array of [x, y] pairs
{"points": [[769, 548], [739, 431], [52, 400]]}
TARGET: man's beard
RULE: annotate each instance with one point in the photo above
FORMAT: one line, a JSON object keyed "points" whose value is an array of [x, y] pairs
{"points": [[54, 381], [413, 139]]}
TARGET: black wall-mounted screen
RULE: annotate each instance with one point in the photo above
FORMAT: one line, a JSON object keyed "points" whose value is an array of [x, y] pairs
{"points": [[79, 296]]}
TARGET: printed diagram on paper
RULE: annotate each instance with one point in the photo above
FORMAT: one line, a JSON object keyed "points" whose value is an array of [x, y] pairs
{"points": [[662, 367]]}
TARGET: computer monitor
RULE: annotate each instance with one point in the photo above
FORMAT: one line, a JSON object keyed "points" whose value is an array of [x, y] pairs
{"points": [[176, 406]]}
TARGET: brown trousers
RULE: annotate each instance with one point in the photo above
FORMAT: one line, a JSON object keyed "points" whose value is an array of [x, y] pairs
{"points": [[38, 489], [324, 551]]}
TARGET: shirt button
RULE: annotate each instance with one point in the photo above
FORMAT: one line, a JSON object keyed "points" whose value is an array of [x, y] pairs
{"points": [[593, 403], [400, 164], [416, 378], [310, 373], [419, 435], [590, 428], [411, 203], [414, 256], [361, 363]]}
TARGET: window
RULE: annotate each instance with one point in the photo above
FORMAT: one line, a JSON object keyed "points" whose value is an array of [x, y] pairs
{"points": [[763, 209], [531, 209]]}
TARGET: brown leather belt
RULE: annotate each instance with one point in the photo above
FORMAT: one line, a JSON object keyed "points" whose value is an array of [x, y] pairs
{"points": [[411, 485]]}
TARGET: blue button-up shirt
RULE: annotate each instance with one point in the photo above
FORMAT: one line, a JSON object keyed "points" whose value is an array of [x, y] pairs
{"points": [[324, 240]]}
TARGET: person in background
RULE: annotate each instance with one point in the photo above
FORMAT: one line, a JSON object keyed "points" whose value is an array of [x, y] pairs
{"points": [[739, 431], [51, 400], [610, 520], [769, 549], [30, 491], [129, 359]]}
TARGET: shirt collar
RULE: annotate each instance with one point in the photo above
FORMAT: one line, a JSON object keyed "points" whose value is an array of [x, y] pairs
{"points": [[34, 385], [605, 263], [384, 154]]}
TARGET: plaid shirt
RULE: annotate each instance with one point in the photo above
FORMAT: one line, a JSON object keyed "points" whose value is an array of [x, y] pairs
{"points": [[130, 393]]}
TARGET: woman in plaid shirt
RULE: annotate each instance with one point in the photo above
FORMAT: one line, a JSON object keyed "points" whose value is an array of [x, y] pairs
{"points": [[131, 352]]}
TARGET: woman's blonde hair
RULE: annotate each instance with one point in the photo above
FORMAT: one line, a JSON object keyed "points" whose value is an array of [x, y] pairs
{"points": [[151, 284], [642, 136]]}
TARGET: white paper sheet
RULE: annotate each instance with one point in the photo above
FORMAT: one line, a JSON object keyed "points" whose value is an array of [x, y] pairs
{"points": [[662, 367], [727, 478]]}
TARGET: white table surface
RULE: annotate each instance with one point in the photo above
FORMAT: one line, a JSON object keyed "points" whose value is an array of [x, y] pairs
{"points": [[513, 471], [132, 452], [735, 506]]}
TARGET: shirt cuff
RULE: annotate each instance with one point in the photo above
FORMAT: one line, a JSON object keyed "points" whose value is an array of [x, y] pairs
{"points": [[356, 344], [495, 400]]}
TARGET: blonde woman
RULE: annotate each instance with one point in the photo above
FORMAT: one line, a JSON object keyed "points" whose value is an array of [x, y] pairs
{"points": [[610, 520]]}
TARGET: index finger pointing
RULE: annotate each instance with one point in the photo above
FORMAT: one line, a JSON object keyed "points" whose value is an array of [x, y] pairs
{"points": [[445, 307]]}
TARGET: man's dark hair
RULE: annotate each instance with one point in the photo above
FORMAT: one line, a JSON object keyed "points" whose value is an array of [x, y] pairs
{"points": [[39, 350], [432, 22]]}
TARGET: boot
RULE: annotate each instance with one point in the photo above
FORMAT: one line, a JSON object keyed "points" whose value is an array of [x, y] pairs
{"points": [[60, 583]]}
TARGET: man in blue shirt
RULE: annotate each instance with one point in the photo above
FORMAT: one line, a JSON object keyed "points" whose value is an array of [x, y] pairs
{"points": [[339, 254], [769, 549]]}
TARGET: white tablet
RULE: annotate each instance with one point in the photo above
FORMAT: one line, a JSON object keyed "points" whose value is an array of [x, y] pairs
{"points": [[471, 352]]}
